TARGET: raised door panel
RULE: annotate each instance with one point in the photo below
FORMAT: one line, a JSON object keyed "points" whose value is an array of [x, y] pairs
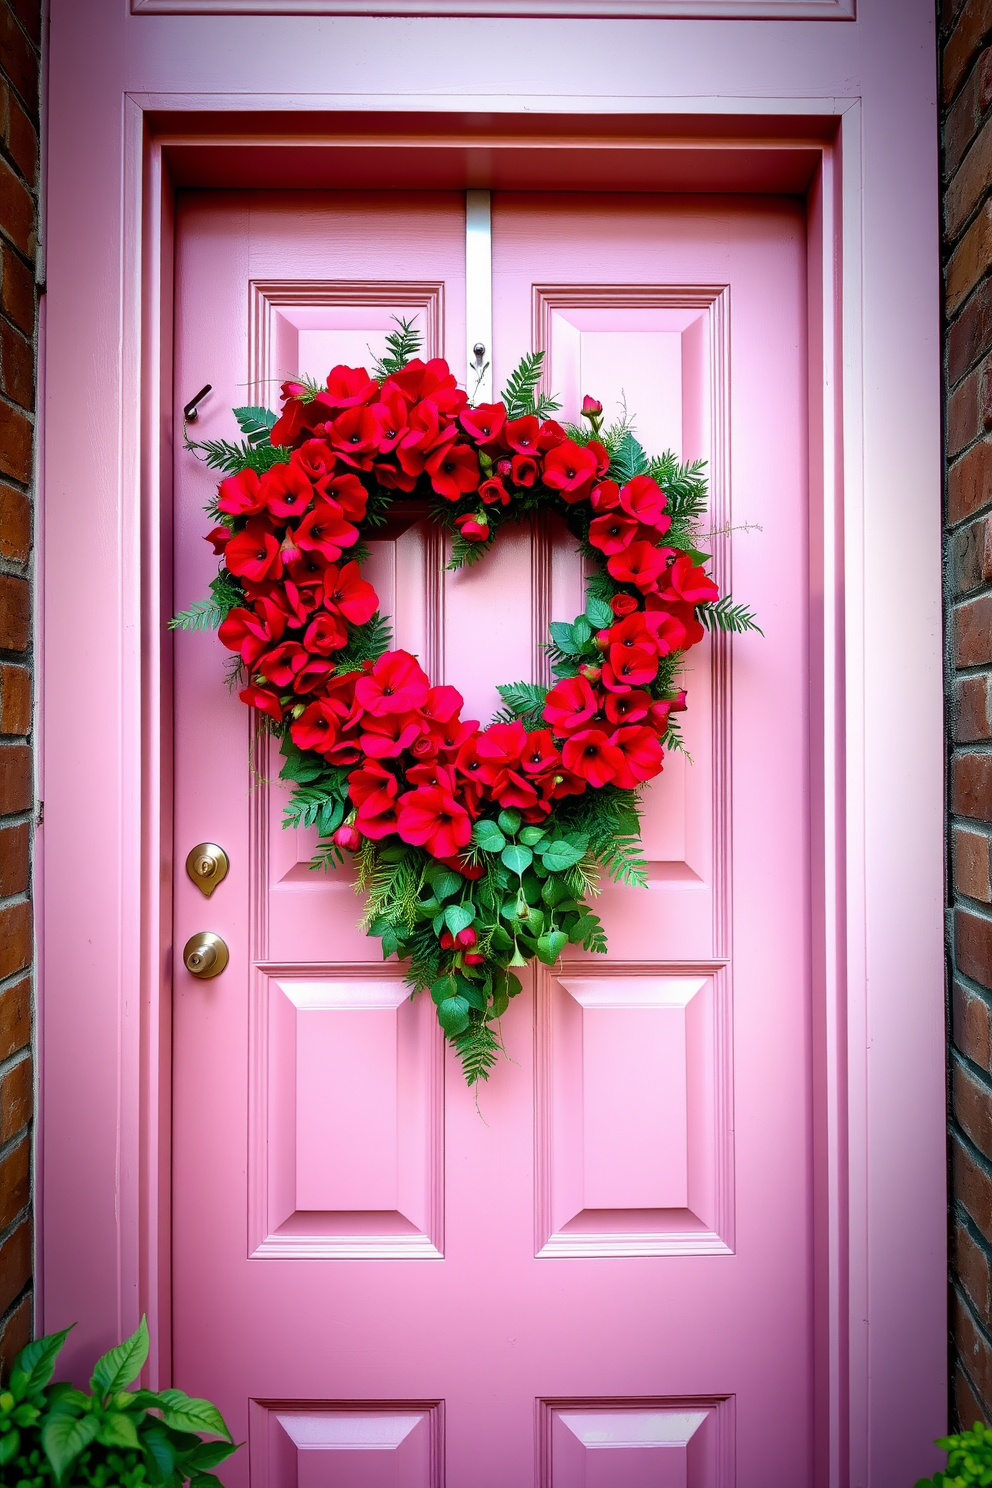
{"points": [[649, 1444], [297, 1445]]}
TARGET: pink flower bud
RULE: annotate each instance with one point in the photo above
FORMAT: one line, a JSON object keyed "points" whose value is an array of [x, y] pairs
{"points": [[591, 408], [349, 837], [472, 958], [591, 673], [466, 937]]}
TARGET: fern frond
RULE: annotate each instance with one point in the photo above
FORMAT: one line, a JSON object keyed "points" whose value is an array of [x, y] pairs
{"points": [[402, 346], [315, 806], [628, 459], [255, 423], [464, 554], [478, 1049], [523, 699], [520, 395], [221, 454], [727, 616], [207, 614], [365, 643]]}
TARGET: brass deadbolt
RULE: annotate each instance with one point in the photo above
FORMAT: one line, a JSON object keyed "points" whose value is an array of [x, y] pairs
{"points": [[205, 954], [207, 866]]}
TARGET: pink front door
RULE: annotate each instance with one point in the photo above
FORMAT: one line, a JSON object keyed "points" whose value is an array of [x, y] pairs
{"points": [[601, 1274]]}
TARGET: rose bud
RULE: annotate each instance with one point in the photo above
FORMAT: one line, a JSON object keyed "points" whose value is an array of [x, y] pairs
{"points": [[590, 407], [504, 467], [349, 837], [473, 526], [679, 704], [472, 958], [603, 639], [623, 604], [466, 937], [493, 490], [219, 539], [447, 940], [591, 673]]}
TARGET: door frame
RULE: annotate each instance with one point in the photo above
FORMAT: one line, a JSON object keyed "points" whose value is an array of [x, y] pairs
{"points": [[871, 1348]]}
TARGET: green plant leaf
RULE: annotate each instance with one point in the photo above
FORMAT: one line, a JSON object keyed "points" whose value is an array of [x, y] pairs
{"points": [[63, 1437], [561, 854], [117, 1430], [562, 634], [35, 1364], [445, 882], [517, 857], [156, 1444], [205, 1480], [255, 423], [550, 946], [453, 1015], [487, 835], [9, 1444], [122, 1364], [184, 1412], [211, 1454], [531, 836], [458, 917], [509, 822], [599, 614]]}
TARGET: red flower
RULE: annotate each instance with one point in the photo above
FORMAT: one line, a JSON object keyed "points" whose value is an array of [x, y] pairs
{"points": [[251, 631], [280, 665], [611, 532], [629, 666], [396, 685], [644, 499], [315, 459], [623, 604], [665, 605], [591, 407], [355, 435], [668, 630], [323, 530], [287, 492], [316, 728], [347, 387], [570, 469], [522, 434], [254, 553], [524, 470], [347, 594], [473, 526], [454, 469], [297, 418], [325, 634], [627, 707], [392, 479], [641, 564], [432, 818], [306, 569], [642, 755], [433, 379], [218, 539], [590, 755], [374, 787], [241, 495], [570, 705], [262, 699], [539, 754], [493, 490], [552, 434], [442, 704], [605, 497], [387, 737], [346, 492], [687, 583], [393, 412], [483, 423], [377, 824]]}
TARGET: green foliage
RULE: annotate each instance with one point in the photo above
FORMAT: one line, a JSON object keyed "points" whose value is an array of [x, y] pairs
{"points": [[478, 1049], [520, 396], [969, 1460], [365, 643], [402, 345], [725, 615], [112, 1437], [524, 700], [627, 459], [464, 553], [229, 459], [256, 424], [208, 614]]}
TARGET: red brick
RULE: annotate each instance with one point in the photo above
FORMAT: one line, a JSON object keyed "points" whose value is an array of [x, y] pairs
{"points": [[969, 482], [972, 1026], [973, 624], [972, 721], [16, 442], [948, 10], [15, 1265], [973, 946], [971, 786], [971, 857], [967, 1407], [15, 613], [22, 142], [970, 336], [970, 184], [972, 1267], [16, 1335], [28, 12], [971, 555], [971, 1186], [16, 779], [15, 865], [15, 699], [16, 944], [16, 366], [15, 1018], [16, 1099], [15, 524], [972, 1104], [19, 60], [966, 114], [970, 32], [963, 422], [972, 1346], [970, 260], [15, 1183], [17, 211], [17, 290]]}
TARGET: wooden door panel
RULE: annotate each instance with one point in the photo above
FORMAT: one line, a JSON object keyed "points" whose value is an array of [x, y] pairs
{"points": [[603, 1264]]}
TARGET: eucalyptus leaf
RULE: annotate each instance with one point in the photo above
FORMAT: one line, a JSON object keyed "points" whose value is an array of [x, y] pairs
{"points": [[531, 836], [444, 882], [517, 857], [509, 822], [487, 835], [550, 946], [452, 1014], [558, 856], [458, 917]]}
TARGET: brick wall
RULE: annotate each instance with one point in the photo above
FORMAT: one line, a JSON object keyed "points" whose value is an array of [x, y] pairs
{"points": [[20, 71], [966, 137]]}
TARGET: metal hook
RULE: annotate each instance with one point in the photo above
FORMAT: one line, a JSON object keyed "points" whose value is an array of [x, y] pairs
{"points": [[189, 412], [478, 351]]}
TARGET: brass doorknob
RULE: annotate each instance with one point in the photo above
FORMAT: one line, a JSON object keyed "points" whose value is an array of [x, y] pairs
{"points": [[207, 865], [205, 954]]}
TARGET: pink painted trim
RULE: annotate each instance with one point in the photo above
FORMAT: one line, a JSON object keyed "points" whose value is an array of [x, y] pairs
{"points": [[612, 10]]}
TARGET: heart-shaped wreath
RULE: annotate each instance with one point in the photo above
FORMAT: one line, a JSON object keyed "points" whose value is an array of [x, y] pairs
{"points": [[477, 847]]}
